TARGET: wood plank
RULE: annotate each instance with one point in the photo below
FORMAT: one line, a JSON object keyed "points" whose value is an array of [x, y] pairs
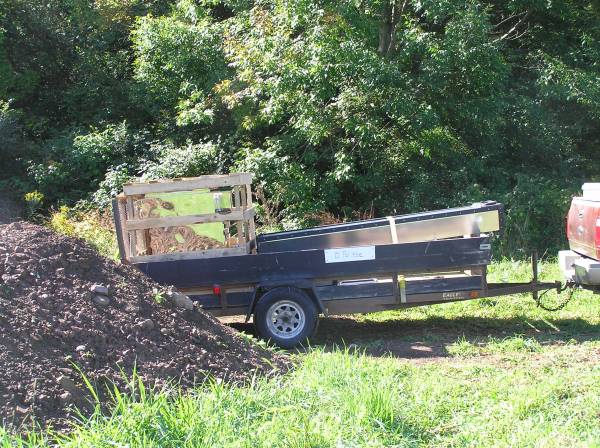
{"points": [[249, 213], [147, 242], [240, 202], [227, 232], [248, 194], [251, 224], [132, 236], [122, 237], [141, 236], [177, 256], [187, 184], [172, 221]]}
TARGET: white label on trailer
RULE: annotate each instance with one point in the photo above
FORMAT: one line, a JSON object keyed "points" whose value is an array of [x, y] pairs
{"points": [[344, 254]]}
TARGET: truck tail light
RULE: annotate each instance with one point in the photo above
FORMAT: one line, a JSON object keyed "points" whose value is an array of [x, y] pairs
{"points": [[217, 290]]}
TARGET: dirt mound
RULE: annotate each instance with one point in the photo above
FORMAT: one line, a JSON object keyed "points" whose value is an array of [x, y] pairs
{"points": [[55, 312]]}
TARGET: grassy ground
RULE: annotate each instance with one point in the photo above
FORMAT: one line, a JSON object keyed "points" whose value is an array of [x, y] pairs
{"points": [[484, 373]]}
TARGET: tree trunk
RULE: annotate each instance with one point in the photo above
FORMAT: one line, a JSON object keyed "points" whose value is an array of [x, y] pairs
{"points": [[387, 28]]}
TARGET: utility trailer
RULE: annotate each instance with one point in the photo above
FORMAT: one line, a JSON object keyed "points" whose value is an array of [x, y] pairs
{"points": [[285, 280]]}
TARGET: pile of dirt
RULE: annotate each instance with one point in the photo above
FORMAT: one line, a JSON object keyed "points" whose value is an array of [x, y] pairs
{"points": [[63, 305]]}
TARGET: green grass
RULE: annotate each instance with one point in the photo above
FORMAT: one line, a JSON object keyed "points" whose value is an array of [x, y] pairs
{"points": [[515, 376], [342, 399], [518, 343]]}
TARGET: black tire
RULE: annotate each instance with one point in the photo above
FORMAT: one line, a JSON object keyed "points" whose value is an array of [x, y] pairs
{"points": [[292, 304]]}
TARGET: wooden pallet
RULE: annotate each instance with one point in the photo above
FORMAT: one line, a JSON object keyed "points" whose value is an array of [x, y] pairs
{"points": [[138, 234]]}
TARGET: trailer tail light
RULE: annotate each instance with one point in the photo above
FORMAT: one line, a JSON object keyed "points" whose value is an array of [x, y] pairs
{"points": [[217, 290]]}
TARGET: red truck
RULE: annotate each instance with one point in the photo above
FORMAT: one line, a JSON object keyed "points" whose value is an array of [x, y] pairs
{"points": [[580, 264]]}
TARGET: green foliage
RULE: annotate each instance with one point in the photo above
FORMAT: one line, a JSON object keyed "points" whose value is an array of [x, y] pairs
{"points": [[159, 296], [111, 186], [12, 148], [531, 207], [183, 161], [33, 203], [167, 161], [75, 163], [178, 59], [340, 107]]}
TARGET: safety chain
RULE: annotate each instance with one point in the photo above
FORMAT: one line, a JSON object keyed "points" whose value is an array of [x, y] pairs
{"points": [[560, 306]]}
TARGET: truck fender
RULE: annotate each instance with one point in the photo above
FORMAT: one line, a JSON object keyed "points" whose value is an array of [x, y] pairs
{"points": [[306, 285]]}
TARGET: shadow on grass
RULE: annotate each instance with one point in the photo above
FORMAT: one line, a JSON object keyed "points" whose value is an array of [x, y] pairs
{"points": [[429, 338]]}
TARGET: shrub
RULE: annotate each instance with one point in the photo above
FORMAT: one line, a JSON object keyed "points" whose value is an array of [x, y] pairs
{"points": [[535, 216], [88, 226], [111, 186], [162, 161], [182, 161], [33, 202], [12, 144], [75, 163]]}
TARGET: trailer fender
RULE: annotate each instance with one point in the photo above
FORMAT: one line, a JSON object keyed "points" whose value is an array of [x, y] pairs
{"points": [[305, 285]]}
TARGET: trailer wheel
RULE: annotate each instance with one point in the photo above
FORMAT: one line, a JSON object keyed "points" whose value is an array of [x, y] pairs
{"points": [[286, 316]]}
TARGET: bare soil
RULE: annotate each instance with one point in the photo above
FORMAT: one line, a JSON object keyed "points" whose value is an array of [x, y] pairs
{"points": [[373, 339], [52, 325], [427, 340]]}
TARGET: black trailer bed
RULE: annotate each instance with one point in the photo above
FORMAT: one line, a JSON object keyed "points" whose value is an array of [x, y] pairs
{"points": [[429, 256]]}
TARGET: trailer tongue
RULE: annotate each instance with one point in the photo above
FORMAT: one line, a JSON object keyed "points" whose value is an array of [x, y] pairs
{"points": [[286, 279]]}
